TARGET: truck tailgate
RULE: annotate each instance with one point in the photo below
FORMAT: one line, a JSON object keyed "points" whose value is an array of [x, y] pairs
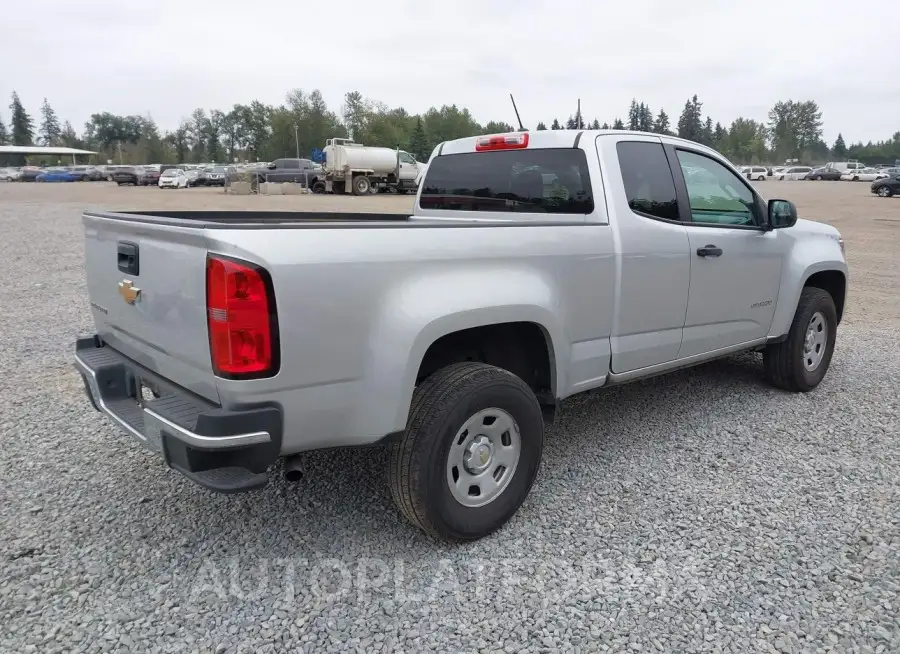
{"points": [[147, 288]]}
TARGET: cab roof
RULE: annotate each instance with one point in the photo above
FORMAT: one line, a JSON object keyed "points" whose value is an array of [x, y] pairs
{"points": [[557, 138]]}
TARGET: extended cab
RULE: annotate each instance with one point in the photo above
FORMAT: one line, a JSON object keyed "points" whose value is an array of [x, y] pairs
{"points": [[535, 266]]}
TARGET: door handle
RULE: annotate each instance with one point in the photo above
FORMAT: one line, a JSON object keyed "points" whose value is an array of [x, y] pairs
{"points": [[709, 251]]}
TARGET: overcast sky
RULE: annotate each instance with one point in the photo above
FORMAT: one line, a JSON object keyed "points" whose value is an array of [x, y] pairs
{"points": [[167, 57]]}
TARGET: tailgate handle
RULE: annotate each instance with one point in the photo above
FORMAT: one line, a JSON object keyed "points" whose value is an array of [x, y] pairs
{"points": [[128, 258]]}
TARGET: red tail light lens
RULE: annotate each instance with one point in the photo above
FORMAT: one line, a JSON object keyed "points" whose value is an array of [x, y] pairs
{"points": [[502, 142], [240, 309]]}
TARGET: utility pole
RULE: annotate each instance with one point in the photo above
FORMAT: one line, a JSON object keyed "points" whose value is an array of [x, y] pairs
{"points": [[297, 140], [578, 121], [119, 143]]}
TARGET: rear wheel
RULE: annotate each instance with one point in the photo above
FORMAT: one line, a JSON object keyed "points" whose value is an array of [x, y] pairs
{"points": [[361, 185], [800, 362], [470, 452]]}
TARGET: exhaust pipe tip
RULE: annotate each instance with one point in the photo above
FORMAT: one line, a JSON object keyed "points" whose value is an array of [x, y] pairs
{"points": [[292, 470]]}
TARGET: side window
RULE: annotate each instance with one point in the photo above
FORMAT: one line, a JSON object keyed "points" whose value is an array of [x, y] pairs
{"points": [[406, 158], [717, 195], [291, 163], [648, 181]]}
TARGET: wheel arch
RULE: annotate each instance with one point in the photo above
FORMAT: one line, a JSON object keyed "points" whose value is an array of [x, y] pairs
{"points": [[432, 315]]}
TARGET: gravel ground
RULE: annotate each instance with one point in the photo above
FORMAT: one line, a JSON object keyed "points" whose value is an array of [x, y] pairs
{"points": [[702, 511]]}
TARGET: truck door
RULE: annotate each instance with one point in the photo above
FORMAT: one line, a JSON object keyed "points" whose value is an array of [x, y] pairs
{"points": [[654, 262], [735, 265]]}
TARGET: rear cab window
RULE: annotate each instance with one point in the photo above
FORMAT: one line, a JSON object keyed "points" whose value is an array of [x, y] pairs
{"points": [[540, 180]]}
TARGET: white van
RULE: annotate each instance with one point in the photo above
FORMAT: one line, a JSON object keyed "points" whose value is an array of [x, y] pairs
{"points": [[844, 166]]}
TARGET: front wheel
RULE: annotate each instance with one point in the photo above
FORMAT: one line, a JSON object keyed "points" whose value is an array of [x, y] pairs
{"points": [[470, 452], [799, 363], [885, 191], [318, 187]]}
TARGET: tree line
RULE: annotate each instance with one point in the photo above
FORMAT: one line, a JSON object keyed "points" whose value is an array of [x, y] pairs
{"points": [[262, 132]]}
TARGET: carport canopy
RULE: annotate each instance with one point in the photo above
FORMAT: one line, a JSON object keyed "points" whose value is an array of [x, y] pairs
{"points": [[39, 150]]}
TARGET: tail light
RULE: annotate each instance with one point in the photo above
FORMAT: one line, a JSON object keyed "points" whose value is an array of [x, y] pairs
{"points": [[502, 142], [243, 328]]}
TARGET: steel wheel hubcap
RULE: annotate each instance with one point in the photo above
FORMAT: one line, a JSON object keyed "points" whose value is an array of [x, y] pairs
{"points": [[883, 191], [483, 457], [815, 341]]}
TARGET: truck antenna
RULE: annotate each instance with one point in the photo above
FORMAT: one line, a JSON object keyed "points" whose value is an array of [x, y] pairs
{"points": [[521, 127]]}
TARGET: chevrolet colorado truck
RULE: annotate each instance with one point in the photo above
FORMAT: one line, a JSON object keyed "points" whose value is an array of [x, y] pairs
{"points": [[536, 265]]}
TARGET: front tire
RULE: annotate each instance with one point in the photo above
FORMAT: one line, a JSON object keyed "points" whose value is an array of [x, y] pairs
{"points": [[885, 191], [470, 452], [799, 363]]}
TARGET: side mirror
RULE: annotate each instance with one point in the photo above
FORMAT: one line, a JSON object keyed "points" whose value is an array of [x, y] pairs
{"points": [[782, 213], [271, 166]]}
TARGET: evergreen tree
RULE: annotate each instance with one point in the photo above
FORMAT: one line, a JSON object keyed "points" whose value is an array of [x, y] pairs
{"points": [[595, 124], [4, 135], [572, 123], [604, 126], [50, 130], [68, 137], [634, 115], [690, 124], [706, 134], [840, 148], [645, 118], [661, 124], [618, 124], [555, 124], [720, 136], [541, 127], [21, 125], [418, 142]]}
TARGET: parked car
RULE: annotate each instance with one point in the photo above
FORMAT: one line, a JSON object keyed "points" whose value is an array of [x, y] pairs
{"points": [[458, 339], [149, 176], [194, 177], [756, 173], [172, 178], [127, 175], [299, 171], [793, 173], [887, 186], [10, 174], [87, 173], [57, 175], [862, 175], [29, 173], [824, 173], [215, 176]]}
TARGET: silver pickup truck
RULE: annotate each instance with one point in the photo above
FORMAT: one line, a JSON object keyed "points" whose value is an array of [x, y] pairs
{"points": [[535, 266]]}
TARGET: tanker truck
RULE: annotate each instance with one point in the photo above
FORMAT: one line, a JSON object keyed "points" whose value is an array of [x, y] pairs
{"points": [[359, 169]]}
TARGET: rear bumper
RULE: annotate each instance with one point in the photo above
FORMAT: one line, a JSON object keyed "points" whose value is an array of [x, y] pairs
{"points": [[222, 450]]}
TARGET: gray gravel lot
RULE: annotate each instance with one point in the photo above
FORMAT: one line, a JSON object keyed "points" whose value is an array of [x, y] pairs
{"points": [[702, 511]]}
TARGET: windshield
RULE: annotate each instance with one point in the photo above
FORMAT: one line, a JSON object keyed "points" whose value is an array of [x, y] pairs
{"points": [[171, 172], [219, 169]]}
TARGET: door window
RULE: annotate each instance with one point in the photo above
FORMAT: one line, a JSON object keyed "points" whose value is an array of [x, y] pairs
{"points": [[407, 159], [717, 195], [648, 181]]}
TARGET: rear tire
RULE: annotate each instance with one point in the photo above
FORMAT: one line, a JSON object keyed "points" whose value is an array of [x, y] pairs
{"points": [[361, 185], [446, 410], [799, 363]]}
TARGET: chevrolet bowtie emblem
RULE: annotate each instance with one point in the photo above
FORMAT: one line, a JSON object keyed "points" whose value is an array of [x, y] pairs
{"points": [[129, 292]]}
